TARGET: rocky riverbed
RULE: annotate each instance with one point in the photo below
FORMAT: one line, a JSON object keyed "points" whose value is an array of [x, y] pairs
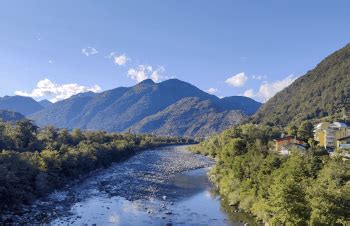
{"points": [[160, 186]]}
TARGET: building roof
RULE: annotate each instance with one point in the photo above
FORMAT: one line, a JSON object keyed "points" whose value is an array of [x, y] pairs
{"points": [[338, 125], [287, 138], [284, 138], [319, 125], [344, 138]]}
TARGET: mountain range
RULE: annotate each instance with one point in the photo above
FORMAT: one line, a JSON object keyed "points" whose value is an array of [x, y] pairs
{"points": [[321, 92], [20, 104], [10, 116], [174, 107], [171, 107]]}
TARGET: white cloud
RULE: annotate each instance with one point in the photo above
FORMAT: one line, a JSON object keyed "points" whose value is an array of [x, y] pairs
{"points": [[55, 92], [50, 61], [212, 90], [158, 74], [89, 51], [249, 93], [139, 74], [120, 60], [143, 72], [268, 90], [237, 80]]}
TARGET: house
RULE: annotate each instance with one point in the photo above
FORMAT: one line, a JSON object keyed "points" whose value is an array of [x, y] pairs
{"points": [[286, 149], [343, 143], [343, 147], [285, 144], [327, 133], [319, 133]]}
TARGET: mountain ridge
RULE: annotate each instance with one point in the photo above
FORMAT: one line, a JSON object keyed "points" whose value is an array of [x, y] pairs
{"points": [[10, 116], [20, 104], [123, 108], [322, 91]]}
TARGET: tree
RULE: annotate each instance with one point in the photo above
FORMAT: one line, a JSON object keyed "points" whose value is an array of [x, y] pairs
{"points": [[292, 130], [305, 130], [65, 137], [287, 200], [77, 136], [330, 194], [25, 135], [235, 146]]}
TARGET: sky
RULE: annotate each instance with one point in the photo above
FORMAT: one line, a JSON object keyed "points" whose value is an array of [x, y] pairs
{"points": [[55, 49]]}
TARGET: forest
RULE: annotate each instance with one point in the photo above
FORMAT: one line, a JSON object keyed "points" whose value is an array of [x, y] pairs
{"points": [[35, 161], [321, 92], [308, 188]]}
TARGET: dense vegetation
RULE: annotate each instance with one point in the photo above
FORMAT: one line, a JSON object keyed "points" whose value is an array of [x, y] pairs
{"points": [[323, 91], [35, 161], [301, 189], [148, 107], [10, 116], [189, 117]]}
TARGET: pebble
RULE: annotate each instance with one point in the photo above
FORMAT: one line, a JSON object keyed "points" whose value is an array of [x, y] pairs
{"points": [[140, 177]]}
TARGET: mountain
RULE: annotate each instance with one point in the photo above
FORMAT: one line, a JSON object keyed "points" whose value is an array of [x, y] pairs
{"points": [[45, 103], [246, 104], [323, 91], [135, 107], [10, 116], [20, 104], [190, 116]]}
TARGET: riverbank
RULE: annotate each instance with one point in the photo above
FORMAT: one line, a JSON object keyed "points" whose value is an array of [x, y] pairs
{"points": [[304, 187], [137, 177], [54, 158], [158, 186]]}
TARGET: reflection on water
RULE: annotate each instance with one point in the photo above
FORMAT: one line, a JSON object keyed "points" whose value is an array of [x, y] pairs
{"points": [[193, 202]]}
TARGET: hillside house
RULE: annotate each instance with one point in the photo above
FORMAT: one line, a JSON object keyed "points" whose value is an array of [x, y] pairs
{"points": [[285, 144], [327, 133], [343, 143]]}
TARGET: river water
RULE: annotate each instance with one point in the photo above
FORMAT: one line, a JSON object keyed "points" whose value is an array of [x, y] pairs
{"points": [[163, 186]]}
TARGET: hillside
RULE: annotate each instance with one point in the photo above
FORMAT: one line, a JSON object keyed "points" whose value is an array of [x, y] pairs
{"points": [[190, 116], [45, 103], [323, 91], [133, 107], [20, 104], [246, 104], [10, 116]]}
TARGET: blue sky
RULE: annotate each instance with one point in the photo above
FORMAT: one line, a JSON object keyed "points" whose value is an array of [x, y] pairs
{"points": [[231, 47]]}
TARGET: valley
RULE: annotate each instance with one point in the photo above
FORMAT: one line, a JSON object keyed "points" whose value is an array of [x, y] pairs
{"points": [[165, 185]]}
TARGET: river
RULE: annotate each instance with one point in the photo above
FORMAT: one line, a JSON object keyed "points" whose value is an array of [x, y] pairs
{"points": [[162, 186]]}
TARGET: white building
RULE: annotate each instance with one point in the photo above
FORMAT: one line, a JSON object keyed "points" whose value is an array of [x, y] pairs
{"points": [[327, 133]]}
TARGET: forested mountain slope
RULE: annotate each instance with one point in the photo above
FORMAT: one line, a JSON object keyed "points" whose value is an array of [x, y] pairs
{"points": [[190, 117], [149, 107], [323, 91], [10, 116]]}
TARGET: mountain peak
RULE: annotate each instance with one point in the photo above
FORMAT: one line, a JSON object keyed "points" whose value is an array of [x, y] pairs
{"points": [[45, 103], [147, 82], [147, 106], [21, 104]]}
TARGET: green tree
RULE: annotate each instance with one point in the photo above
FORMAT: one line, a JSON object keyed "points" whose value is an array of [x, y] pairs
{"points": [[330, 194], [77, 136], [305, 130], [25, 135], [287, 201], [292, 130], [233, 147]]}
